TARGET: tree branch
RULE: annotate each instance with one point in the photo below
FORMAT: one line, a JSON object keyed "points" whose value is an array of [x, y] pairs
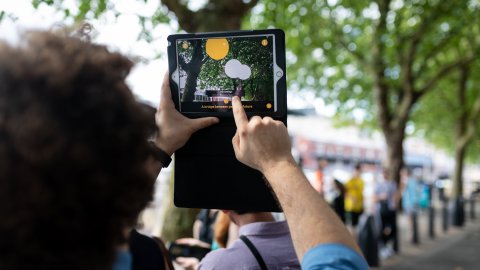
{"points": [[442, 73], [463, 130], [474, 116], [339, 37], [449, 104], [454, 32], [182, 62], [181, 12], [251, 4], [360, 57], [407, 65], [232, 6], [204, 60], [415, 40]]}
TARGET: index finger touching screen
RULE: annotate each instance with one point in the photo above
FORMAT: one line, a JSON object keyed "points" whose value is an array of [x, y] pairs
{"points": [[241, 119]]}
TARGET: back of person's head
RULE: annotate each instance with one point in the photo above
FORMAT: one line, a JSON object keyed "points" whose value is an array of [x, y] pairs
{"points": [[358, 167], [72, 150], [416, 173]]}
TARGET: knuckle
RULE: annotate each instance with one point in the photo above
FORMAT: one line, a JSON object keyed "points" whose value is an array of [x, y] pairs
{"points": [[256, 120], [268, 119], [242, 133], [256, 124]]}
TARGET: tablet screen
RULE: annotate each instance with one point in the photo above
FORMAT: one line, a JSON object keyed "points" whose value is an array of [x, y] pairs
{"points": [[211, 70]]}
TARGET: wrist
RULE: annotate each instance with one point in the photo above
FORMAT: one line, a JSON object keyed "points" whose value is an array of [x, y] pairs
{"points": [[278, 167], [165, 147], [160, 155]]}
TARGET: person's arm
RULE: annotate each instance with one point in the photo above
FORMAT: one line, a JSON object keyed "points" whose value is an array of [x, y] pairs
{"points": [[264, 144], [188, 263], [174, 129]]}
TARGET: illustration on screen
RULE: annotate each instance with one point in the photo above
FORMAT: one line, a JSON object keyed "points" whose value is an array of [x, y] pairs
{"points": [[213, 70]]}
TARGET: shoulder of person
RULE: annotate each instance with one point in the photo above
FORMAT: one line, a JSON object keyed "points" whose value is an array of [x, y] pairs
{"points": [[218, 259], [228, 258]]}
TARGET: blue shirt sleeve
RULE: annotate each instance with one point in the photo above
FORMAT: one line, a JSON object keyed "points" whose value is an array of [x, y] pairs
{"points": [[333, 256], [123, 261]]}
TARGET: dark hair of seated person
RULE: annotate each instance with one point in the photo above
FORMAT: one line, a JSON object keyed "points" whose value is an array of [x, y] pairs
{"points": [[73, 144]]}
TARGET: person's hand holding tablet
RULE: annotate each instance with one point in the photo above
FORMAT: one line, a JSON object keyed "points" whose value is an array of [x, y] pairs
{"points": [[260, 143], [174, 129]]}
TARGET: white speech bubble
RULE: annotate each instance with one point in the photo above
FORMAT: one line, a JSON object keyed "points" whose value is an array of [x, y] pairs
{"points": [[234, 69]]}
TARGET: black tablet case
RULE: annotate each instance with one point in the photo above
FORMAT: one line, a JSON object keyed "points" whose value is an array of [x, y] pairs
{"points": [[207, 174]]}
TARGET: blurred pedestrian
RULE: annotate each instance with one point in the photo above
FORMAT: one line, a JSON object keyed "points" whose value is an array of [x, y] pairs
{"points": [[338, 202], [203, 225], [318, 182], [385, 197], [354, 199], [411, 192], [225, 232], [411, 195]]}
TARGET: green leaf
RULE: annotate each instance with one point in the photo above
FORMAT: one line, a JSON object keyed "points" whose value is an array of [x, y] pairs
{"points": [[83, 9]]}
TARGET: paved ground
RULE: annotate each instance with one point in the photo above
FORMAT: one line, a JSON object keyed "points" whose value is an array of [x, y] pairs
{"points": [[457, 249], [459, 253]]}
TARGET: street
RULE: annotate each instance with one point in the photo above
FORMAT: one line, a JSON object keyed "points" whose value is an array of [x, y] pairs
{"points": [[458, 250]]}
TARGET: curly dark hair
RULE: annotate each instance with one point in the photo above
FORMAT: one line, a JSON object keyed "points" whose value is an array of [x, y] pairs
{"points": [[73, 146]]}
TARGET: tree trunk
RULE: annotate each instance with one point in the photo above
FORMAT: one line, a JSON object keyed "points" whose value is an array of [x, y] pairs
{"points": [[457, 208], [460, 150], [239, 90], [178, 221], [462, 138], [217, 15], [193, 70], [395, 153]]}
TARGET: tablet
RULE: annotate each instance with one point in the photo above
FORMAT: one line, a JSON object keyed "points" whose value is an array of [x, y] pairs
{"points": [[208, 69]]}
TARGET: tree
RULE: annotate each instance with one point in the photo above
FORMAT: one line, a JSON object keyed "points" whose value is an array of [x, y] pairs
{"points": [[214, 15], [210, 74], [381, 56], [192, 67], [450, 119]]}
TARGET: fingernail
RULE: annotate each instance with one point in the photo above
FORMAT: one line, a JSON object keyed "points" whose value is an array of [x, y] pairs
{"points": [[235, 98]]}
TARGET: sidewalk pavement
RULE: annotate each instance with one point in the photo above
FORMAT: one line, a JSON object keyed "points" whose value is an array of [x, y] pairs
{"points": [[456, 249]]}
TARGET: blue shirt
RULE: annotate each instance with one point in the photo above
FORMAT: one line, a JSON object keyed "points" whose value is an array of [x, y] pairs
{"points": [[333, 256], [123, 261], [411, 195], [388, 188]]}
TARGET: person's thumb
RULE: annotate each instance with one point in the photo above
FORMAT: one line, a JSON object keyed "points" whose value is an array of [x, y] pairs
{"points": [[200, 123]]}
